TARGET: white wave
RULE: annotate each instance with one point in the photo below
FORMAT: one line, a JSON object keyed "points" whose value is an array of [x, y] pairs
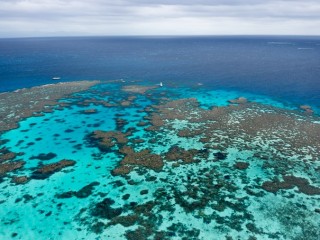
{"points": [[305, 48], [281, 43]]}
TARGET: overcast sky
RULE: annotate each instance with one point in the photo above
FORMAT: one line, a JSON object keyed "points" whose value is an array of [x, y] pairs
{"points": [[22, 18]]}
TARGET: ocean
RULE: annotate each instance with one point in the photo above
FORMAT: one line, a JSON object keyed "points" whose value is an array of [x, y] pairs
{"points": [[181, 138], [286, 68]]}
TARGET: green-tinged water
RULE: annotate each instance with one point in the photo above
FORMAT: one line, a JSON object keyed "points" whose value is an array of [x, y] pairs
{"points": [[167, 163]]}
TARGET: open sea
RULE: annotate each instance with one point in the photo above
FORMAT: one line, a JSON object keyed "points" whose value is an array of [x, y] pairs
{"points": [[286, 68], [221, 149]]}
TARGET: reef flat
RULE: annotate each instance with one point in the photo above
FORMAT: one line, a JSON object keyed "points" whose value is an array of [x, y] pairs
{"points": [[23, 103], [124, 161]]}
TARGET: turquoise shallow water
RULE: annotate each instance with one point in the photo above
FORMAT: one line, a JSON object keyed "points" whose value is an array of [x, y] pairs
{"points": [[236, 207]]}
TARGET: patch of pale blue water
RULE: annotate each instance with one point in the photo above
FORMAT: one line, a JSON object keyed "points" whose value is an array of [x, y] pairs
{"points": [[60, 132], [220, 97], [29, 218]]}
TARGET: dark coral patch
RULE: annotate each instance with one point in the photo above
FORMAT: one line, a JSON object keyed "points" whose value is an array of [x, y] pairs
{"points": [[187, 132], [139, 233], [120, 123], [106, 140], [241, 165], [121, 170], [132, 159], [181, 230], [44, 156], [239, 100], [98, 227], [137, 89], [126, 196], [220, 155], [6, 155], [103, 209], [176, 153], [144, 192], [84, 192], [13, 235], [289, 183], [20, 179], [276, 185], [68, 131], [77, 146], [302, 184], [89, 111], [125, 221], [10, 166], [186, 156], [4, 141], [142, 124], [46, 171]]}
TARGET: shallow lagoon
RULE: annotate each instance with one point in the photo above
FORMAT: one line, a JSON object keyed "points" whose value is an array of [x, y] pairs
{"points": [[203, 183]]}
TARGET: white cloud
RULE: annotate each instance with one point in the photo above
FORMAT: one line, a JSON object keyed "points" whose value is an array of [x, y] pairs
{"points": [[163, 17]]}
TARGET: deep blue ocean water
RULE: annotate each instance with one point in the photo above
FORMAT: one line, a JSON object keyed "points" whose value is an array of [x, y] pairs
{"points": [[284, 68], [254, 168]]}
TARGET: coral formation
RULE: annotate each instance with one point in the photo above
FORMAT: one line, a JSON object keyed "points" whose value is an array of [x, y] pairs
{"points": [[23, 103], [46, 171], [290, 182], [10, 166], [137, 88]]}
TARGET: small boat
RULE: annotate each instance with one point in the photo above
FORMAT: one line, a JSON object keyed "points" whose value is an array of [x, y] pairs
{"points": [[160, 84], [56, 78]]}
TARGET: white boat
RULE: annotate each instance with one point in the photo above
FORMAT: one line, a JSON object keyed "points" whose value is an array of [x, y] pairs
{"points": [[56, 78], [160, 84]]}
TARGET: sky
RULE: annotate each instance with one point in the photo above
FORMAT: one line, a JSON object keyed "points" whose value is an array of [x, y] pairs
{"points": [[34, 18]]}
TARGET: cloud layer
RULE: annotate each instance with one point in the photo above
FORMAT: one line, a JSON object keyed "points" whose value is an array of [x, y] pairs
{"points": [[159, 17]]}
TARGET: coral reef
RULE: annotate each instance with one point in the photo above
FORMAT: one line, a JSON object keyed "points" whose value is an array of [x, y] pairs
{"points": [[20, 179], [176, 153], [107, 140], [46, 171], [89, 111], [6, 155], [10, 166], [286, 131], [143, 158], [239, 100], [84, 192], [307, 109], [241, 165], [23, 103], [137, 88], [290, 182], [44, 156], [103, 209], [179, 169]]}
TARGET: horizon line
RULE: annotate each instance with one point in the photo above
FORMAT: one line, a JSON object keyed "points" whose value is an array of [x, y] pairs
{"points": [[161, 36]]}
